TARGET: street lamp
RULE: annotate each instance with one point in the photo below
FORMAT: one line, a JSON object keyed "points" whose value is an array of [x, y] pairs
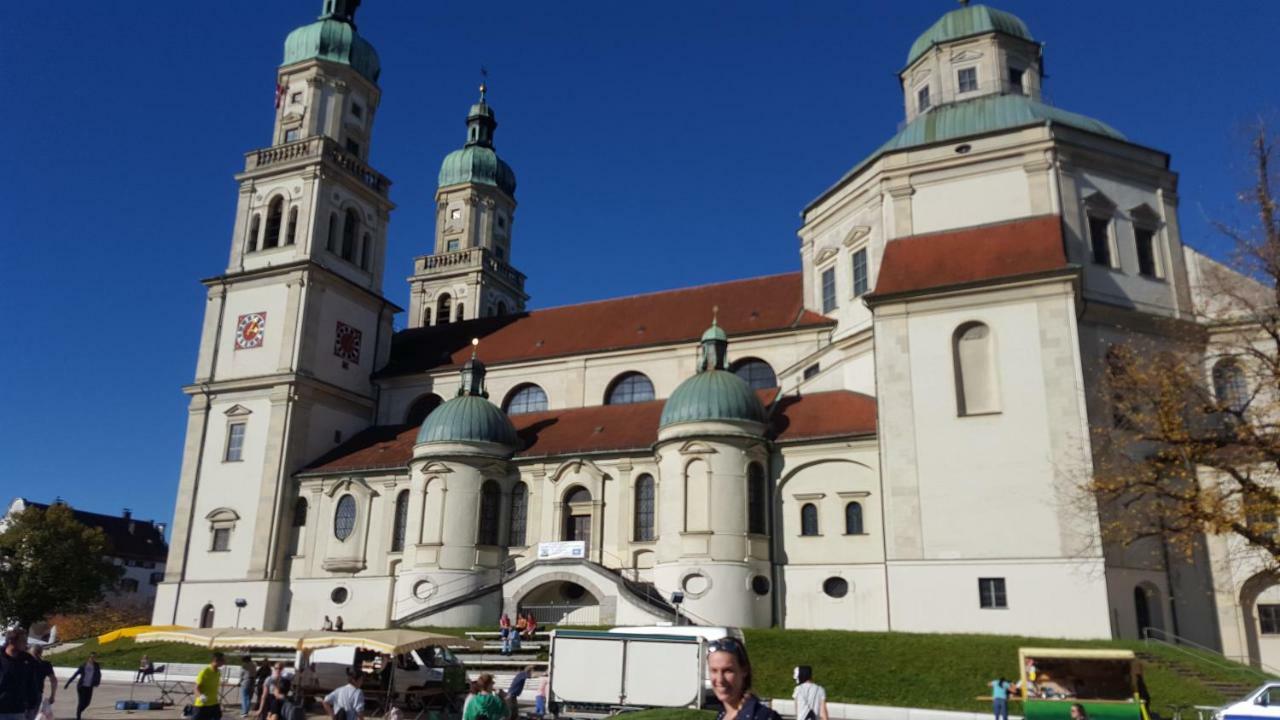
{"points": [[677, 597], [240, 605]]}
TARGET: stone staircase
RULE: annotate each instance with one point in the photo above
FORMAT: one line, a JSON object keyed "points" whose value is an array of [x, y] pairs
{"points": [[1229, 689], [503, 667]]}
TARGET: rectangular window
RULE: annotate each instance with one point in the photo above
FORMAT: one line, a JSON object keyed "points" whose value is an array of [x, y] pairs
{"points": [[356, 110], [235, 442], [811, 371], [991, 593], [221, 540], [157, 578], [353, 147], [1269, 619], [828, 290], [1015, 79], [860, 273], [291, 134], [967, 79], [1099, 240], [451, 245], [922, 99], [1145, 240], [128, 585]]}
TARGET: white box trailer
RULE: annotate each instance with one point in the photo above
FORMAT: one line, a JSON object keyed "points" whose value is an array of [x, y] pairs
{"points": [[610, 670]]}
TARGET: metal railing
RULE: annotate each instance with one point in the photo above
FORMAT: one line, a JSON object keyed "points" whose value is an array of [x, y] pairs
{"points": [[1207, 655], [564, 614]]}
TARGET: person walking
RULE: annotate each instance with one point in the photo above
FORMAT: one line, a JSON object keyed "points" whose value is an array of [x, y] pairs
{"points": [[248, 673], [90, 675], [1000, 698], [540, 700], [486, 705], [810, 697], [16, 670], [268, 689], [730, 670], [515, 689], [208, 683], [347, 702], [41, 671]]}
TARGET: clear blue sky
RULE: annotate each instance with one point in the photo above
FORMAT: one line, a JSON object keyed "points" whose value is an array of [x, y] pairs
{"points": [[657, 144]]}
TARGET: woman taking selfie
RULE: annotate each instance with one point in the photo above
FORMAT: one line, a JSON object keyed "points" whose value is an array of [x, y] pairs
{"points": [[730, 670]]}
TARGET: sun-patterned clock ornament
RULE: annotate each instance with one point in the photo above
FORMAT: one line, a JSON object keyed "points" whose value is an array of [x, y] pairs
{"points": [[346, 343], [250, 330]]}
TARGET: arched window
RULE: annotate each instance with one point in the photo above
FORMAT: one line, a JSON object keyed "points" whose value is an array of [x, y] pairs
{"points": [[350, 231], [490, 504], [206, 616], [421, 408], [331, 238], [973, 351], [576, 511], [644, 508], [299, 522], [254, 223], [502, 308], [853, 519], [631, 387], [400, 522], [344, 517], [275, 215], [697, 496], [756, 494], [458, 313], [444, 309], [519, 515], [366, 250], [809, 519], [1230, 386], [291, 234], [756, 372], [525, 398]]}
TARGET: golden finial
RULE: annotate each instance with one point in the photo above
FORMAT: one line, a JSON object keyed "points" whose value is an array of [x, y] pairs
{"points": [[475, 343], [715, 314], [484, 82]]}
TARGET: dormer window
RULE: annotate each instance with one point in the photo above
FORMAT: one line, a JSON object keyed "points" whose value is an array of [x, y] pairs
{"points": [[922, 99], [967, 79]]}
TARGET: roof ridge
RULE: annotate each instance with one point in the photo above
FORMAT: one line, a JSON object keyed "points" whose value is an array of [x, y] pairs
{"points": [[664, 292]]}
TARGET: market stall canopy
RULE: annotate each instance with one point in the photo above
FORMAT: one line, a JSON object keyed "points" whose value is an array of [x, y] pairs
{"points": [[394, 641], [135, 631]]}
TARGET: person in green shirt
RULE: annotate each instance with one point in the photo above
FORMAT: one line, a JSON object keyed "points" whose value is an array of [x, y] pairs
{"points": [[208, 683], [487, 704]]}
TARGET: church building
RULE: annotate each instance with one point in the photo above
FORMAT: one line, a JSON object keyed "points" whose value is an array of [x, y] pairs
{"points": [[893, 436]]}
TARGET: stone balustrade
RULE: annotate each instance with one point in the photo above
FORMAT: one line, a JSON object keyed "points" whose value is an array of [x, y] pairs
{"points": [[469, 258], [318, 146]]}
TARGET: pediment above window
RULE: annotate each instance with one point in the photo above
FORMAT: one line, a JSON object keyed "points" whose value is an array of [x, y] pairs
{"points": [[694, 447], [1098, 202], [575, 466], [1145, 214], [237, 411], [919, 76], [354, 485], [222, 517], [965, 55], [857, 234], [825, 254]]}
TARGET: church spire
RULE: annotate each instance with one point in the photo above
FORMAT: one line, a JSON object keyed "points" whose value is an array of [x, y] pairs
{"points": [[481, 121], [715, 345], [343, 10]]}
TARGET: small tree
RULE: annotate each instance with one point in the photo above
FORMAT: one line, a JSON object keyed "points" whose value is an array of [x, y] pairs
{"points": [[1195, 446], [50, 563]]}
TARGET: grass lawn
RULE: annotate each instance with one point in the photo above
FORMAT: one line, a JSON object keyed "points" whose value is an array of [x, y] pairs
{"points": [[125, 654], [671, 714]]}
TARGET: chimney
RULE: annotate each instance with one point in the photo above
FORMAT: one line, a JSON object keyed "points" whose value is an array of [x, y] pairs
{"points": [[127, 513]]}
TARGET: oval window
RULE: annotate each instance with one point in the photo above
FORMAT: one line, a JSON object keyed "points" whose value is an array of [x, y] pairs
{"points": [[836, 587], [344, 518], [760, 585], [339, 595]]}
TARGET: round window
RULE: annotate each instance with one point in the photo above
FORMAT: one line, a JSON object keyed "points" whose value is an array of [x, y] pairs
{"points": [[339, 595], [344, 518], [423, 589], [695, 584], [760, 585], [836, 587]]}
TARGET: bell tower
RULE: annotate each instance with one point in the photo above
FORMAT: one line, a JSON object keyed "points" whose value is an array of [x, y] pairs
{"points": [[293, 330], [469, 273]]}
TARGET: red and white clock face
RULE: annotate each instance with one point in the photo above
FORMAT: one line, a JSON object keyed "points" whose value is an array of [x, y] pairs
{"points": [[250, 330], [346, 343]]}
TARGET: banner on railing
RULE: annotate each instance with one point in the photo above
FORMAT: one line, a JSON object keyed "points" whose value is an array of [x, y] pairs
{"points": [[571, 549]]}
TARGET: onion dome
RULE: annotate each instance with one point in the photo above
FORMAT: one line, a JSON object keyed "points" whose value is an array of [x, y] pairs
{"points": [[469, 417], [333, 37], [966, 21], [477, 162], [713, 393]]}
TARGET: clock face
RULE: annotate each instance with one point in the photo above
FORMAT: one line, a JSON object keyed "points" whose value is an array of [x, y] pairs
{"points": [[346, 343], [250, 329]]}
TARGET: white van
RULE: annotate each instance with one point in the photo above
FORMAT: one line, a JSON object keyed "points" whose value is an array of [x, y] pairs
{"points": [[710, 634], [424, 666], [1261, 704]]}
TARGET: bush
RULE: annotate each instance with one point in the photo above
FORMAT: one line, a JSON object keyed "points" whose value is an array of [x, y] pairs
{"points": [[99, 619]]}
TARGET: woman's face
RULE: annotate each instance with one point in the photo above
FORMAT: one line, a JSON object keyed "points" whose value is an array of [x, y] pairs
{"points": [[1076, 714], [727, 679]]}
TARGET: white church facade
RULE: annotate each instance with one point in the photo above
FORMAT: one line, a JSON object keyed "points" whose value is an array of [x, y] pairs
{"points": [[892, 438]]}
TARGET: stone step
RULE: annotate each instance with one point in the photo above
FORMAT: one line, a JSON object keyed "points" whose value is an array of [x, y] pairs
{"points": [[495, 635], [496, 657], [513, 665]]}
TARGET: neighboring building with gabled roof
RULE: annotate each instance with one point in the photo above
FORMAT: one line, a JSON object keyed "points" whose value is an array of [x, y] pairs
{"points": [[889, 438], [137, 546]]}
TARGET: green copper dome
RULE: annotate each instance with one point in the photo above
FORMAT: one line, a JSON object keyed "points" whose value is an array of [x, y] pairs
{"points": [[469, 417], [714, 393], [477, 164], [333, 37], [968, 20]]}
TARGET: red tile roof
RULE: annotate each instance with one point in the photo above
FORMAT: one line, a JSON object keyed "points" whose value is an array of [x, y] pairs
{"points": [[958, 257], [612, 428], [755, 305]]}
